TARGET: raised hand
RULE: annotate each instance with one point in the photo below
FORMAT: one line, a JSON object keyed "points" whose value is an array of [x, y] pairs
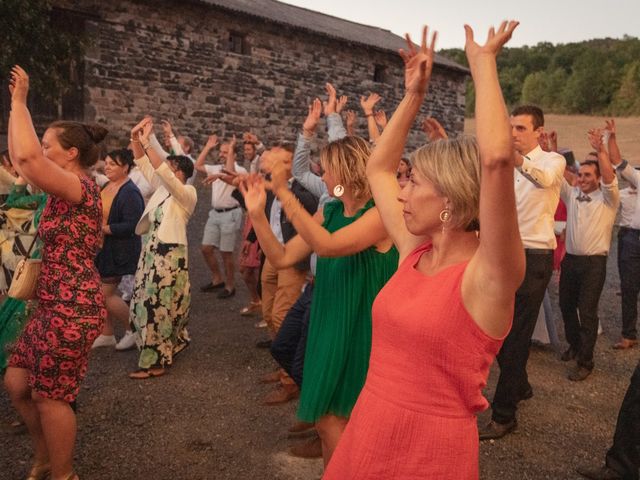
{"points": [[595, 139], [212, 142], [232, 143], [543, 141], [611, 127], [255, 194], [313, 117], [248, 137], [342, 101], [495, 41], [279, 176], [137, 129], [211, 178], [381, 118], [553, 140], [166, 128], [433, 129], [418, 64], [330, 104], [19, 85], [367, 103], [145, 133]]}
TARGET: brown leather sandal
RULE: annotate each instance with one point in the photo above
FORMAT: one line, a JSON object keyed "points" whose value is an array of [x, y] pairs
{"points": [[39, 471], [144, 373]]}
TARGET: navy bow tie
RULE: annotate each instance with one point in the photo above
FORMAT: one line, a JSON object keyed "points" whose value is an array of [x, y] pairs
{"points": [[583, 198]]}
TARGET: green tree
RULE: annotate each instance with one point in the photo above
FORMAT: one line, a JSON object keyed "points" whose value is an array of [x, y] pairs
{"points": [[44, 44], [627, 99]]}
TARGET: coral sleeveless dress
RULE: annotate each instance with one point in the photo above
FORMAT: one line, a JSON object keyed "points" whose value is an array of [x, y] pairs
{"points": [[416, 415]]}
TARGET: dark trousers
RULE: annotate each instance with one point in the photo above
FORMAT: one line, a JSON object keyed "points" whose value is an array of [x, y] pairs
{"points": [[581, 281], [629, 270], [291, 340], [512, 358], [624, 455]]}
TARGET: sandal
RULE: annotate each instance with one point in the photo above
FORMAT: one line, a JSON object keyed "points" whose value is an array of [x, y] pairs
{"points": [[144, 373], [253, 307], [39, 471]]}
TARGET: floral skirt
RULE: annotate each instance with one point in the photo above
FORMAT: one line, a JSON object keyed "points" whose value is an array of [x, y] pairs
{"points": [[160, 303], [54, 347]]}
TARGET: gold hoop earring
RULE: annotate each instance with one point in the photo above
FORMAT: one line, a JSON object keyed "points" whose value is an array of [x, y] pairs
{"points": [[445, 217]]}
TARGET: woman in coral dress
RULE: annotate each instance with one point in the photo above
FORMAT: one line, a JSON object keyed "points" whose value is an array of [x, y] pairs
{"points": [[431, 352]]}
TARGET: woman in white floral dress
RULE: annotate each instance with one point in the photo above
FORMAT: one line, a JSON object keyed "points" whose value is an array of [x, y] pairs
{"points": [[161, 297]]}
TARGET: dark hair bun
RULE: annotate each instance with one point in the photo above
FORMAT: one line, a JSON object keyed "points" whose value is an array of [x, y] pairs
{"points": [[96, 132]]}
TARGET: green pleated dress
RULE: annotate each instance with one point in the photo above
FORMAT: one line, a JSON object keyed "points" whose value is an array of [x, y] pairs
{"points": [[339, 340]]}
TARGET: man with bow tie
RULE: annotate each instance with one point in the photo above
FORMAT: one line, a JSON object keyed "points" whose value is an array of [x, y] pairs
{"points": [[537, 180], [592, 200]]}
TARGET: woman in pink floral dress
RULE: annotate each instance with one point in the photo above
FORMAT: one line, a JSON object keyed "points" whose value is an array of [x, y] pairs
{"points": [[50, 358]]}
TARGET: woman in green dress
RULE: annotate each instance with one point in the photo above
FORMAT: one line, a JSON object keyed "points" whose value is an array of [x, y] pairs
{"points": [[355, 259], [21, 215]]}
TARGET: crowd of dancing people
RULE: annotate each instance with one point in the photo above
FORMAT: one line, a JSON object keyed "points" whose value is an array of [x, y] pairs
{"points": [[464, 230]]}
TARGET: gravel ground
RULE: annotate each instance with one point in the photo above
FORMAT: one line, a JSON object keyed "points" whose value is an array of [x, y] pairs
{"points": [[204, 419]]}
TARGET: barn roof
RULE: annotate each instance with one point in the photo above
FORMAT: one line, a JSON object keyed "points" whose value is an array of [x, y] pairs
{"points": [[323, 24]]}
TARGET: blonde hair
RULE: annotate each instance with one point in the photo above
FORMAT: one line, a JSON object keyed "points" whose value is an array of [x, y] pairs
{"points": [[453, 167], [347, 160]]}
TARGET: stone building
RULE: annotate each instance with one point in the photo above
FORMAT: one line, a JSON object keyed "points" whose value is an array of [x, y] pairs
{"points": [[227, 66]]}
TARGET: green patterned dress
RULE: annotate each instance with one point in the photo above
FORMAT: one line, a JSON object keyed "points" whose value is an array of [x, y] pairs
{"points": [[13, 312], [339, 342], [161, 299]]}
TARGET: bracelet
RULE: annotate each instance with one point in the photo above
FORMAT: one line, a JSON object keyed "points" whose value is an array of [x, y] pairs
{"points": [[368, 114], [134, 140]]}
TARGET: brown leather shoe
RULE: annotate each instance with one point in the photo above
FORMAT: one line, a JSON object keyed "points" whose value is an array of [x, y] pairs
{"points": [[282, 394], [309, 449], [578, 373], [301, 427], [602, 473], [625, 344], [272, 377], [494, 430]]}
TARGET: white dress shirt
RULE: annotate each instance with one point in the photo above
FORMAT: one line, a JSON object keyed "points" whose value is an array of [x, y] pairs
{"points": [[632, 176], [628, 203], [537, 185], [590, 220], [220, 191]]}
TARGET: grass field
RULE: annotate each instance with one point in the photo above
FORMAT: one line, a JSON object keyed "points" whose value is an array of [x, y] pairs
{"points": [[572, 133]]}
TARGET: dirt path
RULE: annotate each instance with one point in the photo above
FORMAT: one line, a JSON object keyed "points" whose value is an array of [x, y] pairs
{"points": [[204, 419]]}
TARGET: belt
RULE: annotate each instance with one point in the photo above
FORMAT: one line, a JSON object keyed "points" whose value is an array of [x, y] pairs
{"points": [[220, 210], [538, 251], [629, 229]]}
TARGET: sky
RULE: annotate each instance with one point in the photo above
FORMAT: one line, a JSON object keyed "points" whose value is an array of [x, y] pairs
{"points": [[554, 21]]}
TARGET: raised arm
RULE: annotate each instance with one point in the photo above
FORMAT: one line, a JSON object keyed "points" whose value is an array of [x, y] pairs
{"points": [[497, 268], [280, 256], [365, 232], [212, 142], [385, 157], [604, 163], [230, 161], [27, 153], [433, 130], [302, 156], [367, 104], [184, 195], [351, 122], [167, 131]]}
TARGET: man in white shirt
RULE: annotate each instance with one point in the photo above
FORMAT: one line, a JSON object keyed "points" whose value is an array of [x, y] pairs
{"points": [[592, 201], [252, 148], [628, 249], [537, 178], [225, 218]]}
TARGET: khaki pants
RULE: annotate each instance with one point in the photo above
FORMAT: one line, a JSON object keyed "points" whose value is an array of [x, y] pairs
{"points": [[280, 290]]}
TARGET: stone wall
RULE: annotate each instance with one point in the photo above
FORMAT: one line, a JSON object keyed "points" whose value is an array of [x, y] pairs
{"points": [[170, 59]]}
